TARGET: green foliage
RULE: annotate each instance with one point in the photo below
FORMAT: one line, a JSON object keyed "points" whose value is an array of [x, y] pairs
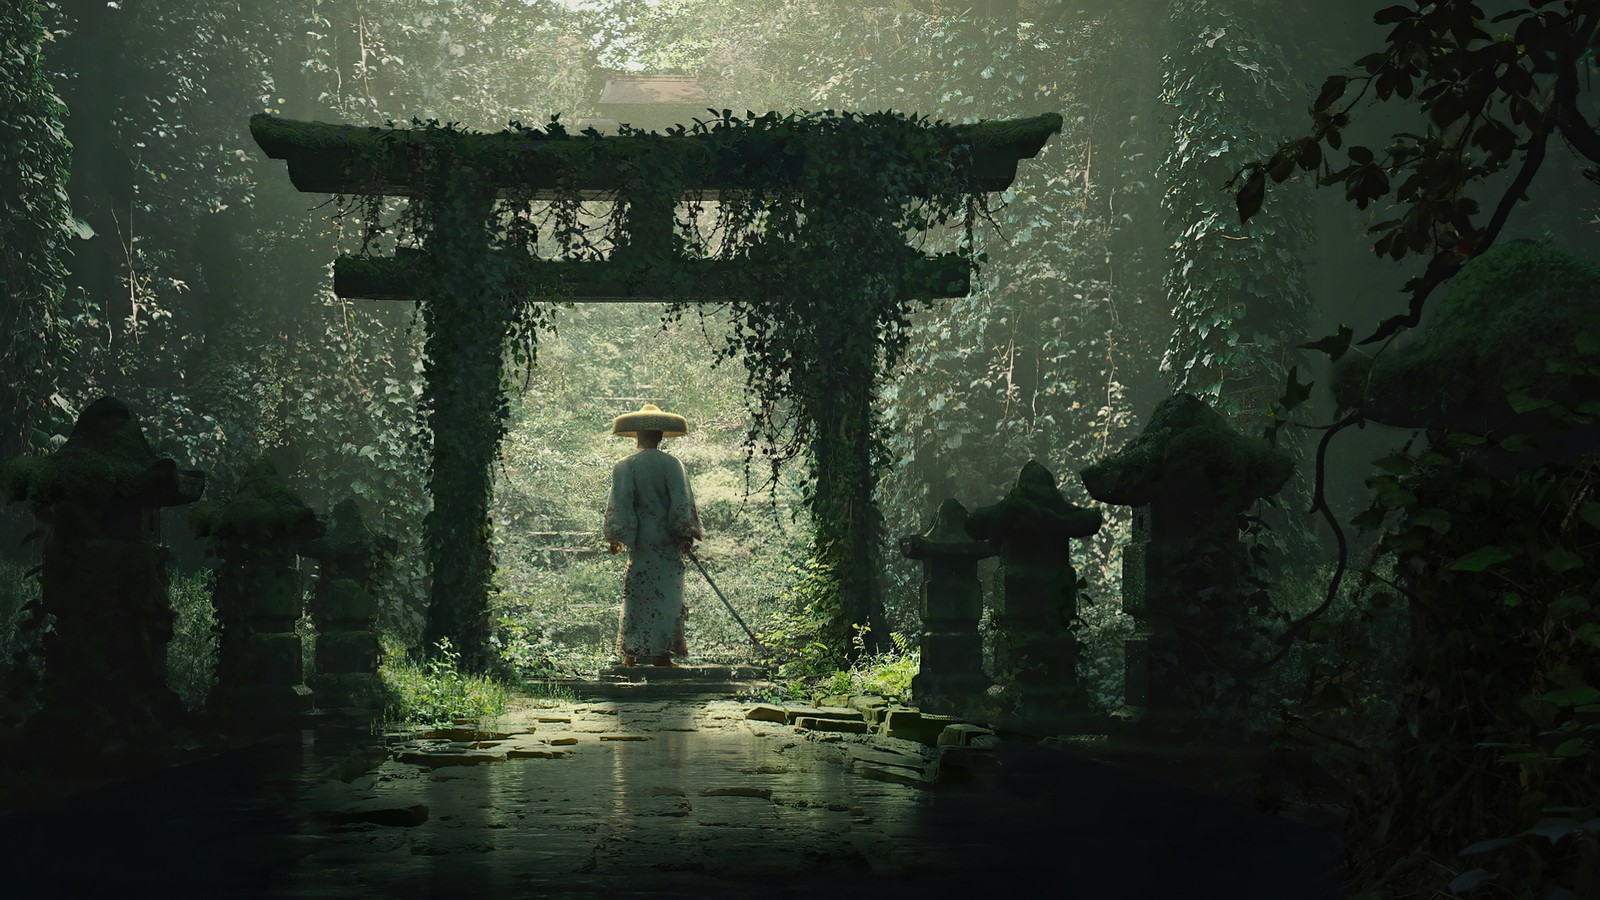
{"points": [[802, 634], [437, 691], [817, 670], [1504, 662], [21, 643], [1487, 92], [1238, 295], [1044, 358], [34, 231], [192, 654], [1333, 700]]}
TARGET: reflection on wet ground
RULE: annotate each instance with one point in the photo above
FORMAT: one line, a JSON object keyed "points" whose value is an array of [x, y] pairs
{"points": [[705, 805]]}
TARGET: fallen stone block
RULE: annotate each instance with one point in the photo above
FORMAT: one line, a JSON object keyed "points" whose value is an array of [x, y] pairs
{"points": [[963, 734], [909, 724], [960, 765], [841, 726], [466, 733], [624, 737], [904, 723], [840, 713], [537, 753], [433, 758], [738, 790], [562, 741], [871, 706], [893, 774], [886, 757], [380, 811], [766, 712]]}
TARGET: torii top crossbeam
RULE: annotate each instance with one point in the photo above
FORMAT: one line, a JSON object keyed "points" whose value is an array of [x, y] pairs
{"points": [[361, 160], [339, 159]]}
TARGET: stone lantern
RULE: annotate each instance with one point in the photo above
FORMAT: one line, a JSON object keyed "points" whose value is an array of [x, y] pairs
{"points": [[951, 678], [1197, 476], [1036, 595], [104, 578], [258, 535]]}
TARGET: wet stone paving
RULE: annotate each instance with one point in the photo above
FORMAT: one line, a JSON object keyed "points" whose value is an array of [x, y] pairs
{"points": [[652, 797], [607, 797]]}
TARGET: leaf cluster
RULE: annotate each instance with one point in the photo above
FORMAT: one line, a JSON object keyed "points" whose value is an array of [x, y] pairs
{"points": [[1489, 88]]}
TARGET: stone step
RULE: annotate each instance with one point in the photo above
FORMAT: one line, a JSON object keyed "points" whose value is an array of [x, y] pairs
{"points": [[667, 688], [700, 672]]}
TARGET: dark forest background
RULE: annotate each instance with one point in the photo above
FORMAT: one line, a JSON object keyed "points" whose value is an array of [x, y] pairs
{"points": [[151, 252]]}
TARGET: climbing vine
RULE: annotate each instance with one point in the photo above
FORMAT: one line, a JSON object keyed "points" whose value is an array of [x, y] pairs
{"points": [[824, 312], [1237, 293], [797, 195], [1236, 290], [35, 228]]}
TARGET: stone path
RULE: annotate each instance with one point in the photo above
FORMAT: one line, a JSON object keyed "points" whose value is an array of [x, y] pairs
{"points": [[658, 799]]}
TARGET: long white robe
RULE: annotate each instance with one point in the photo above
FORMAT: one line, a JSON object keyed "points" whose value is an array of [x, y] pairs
{"points": [[652, 513]]}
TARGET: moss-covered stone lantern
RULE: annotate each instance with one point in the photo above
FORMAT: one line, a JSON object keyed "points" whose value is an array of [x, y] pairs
{"points": [[258, 598], [1036, 593], [104, 578], [344, 610], [1198, 476], [951, 678]]}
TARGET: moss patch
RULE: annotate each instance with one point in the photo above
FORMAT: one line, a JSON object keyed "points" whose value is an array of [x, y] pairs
{"points": [[1510, 314], [1033, 506], [1187, 447], [264, 509], [106, 456]]}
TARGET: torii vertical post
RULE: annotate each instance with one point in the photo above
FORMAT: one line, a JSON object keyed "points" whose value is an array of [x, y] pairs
{"points": [[468, 322], [464, 321]]}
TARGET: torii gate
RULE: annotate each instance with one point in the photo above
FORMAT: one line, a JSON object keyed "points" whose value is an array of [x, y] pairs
{"points": [[357, 160]]}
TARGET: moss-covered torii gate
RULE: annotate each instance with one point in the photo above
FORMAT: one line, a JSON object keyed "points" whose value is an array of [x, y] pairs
{"points": [[463, 176]]}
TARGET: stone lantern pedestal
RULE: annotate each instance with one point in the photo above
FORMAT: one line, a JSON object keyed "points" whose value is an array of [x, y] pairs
{"points": [[258, 599], [345, 610], [1036, 653], [951, 678], [1195, 477]]}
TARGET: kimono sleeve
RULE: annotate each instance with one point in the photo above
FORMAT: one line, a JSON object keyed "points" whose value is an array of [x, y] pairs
{"points": [[621, 522], [685, 516]]}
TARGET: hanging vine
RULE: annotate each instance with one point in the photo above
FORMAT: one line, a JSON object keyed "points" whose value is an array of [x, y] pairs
{"points": [[809, 239], [822, 312], [34, 157]]}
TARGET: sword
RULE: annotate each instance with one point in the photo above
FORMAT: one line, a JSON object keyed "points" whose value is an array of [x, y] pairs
{"points": [[718, 592]]}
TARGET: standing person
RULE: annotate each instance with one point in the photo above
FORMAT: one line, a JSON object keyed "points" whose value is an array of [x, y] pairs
{"points": [[652, 513]]}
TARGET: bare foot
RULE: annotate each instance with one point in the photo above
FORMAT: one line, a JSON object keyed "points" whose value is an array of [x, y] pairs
{"points": [[663, 660], [628, 661]]}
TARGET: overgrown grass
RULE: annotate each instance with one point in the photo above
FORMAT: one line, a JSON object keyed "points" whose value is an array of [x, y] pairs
{"points": [[437, 692], [886, 674]]}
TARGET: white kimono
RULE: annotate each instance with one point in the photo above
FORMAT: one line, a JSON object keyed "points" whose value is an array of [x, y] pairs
{"points": [[652, 513]]}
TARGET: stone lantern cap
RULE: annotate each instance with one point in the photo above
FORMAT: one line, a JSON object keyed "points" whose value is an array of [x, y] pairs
{"points": [[263, 509], [348, 536], [1187, 449], [105, 459], [1033, 510], [946, 537]]}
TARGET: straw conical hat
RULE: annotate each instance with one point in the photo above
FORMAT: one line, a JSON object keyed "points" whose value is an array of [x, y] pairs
{"points": [[650, 418]]}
